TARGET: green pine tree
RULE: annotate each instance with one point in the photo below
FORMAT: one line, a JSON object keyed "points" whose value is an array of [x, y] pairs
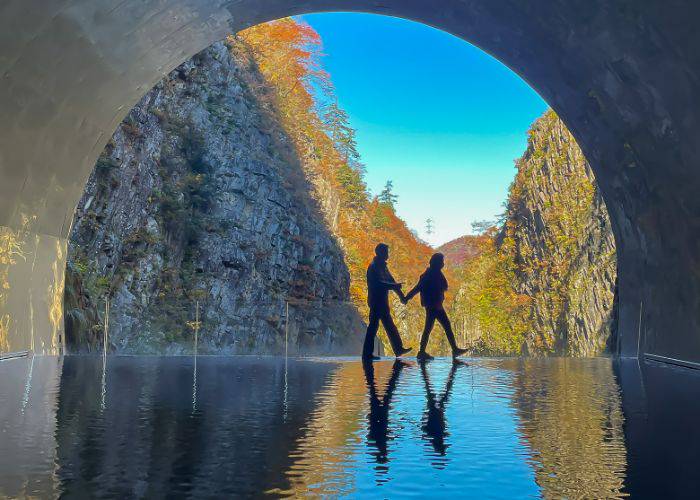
{"points": [[387, 196]]}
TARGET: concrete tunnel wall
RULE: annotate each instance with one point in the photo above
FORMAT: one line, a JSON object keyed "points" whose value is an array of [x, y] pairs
{"points": [[623, 75]]}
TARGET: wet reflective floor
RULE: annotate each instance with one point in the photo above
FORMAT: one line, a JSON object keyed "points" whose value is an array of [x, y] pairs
{"points": [[155, 427]]}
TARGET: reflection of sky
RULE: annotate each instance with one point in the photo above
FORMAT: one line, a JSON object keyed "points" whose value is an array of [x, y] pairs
{"points": [[484, 458], [424, 102]]}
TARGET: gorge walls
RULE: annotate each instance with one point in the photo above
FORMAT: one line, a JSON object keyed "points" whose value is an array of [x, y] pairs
{"points": [[199, 198]]}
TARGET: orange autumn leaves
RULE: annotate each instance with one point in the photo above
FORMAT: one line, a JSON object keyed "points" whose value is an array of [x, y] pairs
{"points": [[287, 54]]}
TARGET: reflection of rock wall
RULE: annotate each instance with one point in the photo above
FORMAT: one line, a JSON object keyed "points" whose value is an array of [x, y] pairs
{"points": [[31, 290], [323, 452], [211, 443], [571, 418]]}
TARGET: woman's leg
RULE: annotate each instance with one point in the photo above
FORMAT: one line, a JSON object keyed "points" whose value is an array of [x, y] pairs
{"points": [[429, 322], [441, 316]]}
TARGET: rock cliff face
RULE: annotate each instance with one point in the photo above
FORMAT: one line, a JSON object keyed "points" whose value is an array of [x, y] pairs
{"points": [[562, 245], [199, 198], [544, 282]]}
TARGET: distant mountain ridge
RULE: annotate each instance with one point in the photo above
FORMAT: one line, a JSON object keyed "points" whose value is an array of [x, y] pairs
{"points": [[460, 250]]}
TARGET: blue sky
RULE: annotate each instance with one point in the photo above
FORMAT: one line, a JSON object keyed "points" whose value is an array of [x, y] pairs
{"points": [[436, 115]]}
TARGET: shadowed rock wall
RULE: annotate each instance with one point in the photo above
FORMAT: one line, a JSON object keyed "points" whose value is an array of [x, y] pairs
{"points": [[200, 198]]}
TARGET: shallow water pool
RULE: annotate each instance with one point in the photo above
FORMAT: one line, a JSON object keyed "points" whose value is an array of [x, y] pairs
{"points": [[217, 427]]}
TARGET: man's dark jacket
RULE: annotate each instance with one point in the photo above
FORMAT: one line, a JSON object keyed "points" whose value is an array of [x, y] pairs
{"points": [[379, 283]]}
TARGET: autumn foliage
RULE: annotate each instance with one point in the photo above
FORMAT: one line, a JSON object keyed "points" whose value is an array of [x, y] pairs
{"points": [[494, 307], [287, 54]]}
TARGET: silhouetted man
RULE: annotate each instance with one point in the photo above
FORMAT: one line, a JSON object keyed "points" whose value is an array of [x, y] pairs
{"points": [[432, 287], [379, 283], [378, 416]]}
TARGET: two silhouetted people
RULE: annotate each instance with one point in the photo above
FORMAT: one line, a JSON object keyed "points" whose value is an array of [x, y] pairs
{"points": [[431, 286]]}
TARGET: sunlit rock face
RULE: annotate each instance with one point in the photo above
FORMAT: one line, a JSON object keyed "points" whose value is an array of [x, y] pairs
{"points": [[199, 199], [563, 246], [544, 283]]}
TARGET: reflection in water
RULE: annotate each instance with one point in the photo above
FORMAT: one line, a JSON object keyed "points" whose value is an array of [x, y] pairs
{"points": [[28, 384], [365, 438], [571, 417], [103, 384], [662, 429], [324, 456], [244, 426], [194, 383], [234, 442], [28, 407], [286, 387], [378, 434], [434, 423]]}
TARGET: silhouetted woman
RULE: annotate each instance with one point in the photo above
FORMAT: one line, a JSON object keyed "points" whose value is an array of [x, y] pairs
{"points": [[434, 424], [432, 287]]}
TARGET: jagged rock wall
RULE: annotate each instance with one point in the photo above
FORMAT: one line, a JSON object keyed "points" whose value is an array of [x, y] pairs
{"points": [[563, 245], [199, 198]]}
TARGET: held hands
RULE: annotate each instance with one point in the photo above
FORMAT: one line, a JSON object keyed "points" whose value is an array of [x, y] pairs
{"points": [[397, 288]]}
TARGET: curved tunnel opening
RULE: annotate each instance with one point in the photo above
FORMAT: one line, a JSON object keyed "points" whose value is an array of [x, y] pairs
{"points": [[624, 78], [598, 68], [235, 192]]}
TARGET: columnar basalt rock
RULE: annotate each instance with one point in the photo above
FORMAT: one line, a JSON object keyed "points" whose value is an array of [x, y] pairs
{"points": [[563, 246], [544, 282], [198, 199]]}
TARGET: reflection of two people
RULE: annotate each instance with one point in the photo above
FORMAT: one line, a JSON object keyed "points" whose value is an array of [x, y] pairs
{"points": [[434, 424]]}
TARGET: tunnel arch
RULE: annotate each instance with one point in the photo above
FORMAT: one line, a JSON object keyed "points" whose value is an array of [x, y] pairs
{"points": [[623, 77]]}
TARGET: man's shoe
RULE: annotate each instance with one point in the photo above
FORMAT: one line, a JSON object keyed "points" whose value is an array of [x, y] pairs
{"points": [[459, 352], [424, 356], [403, 351], [371, 358]]}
